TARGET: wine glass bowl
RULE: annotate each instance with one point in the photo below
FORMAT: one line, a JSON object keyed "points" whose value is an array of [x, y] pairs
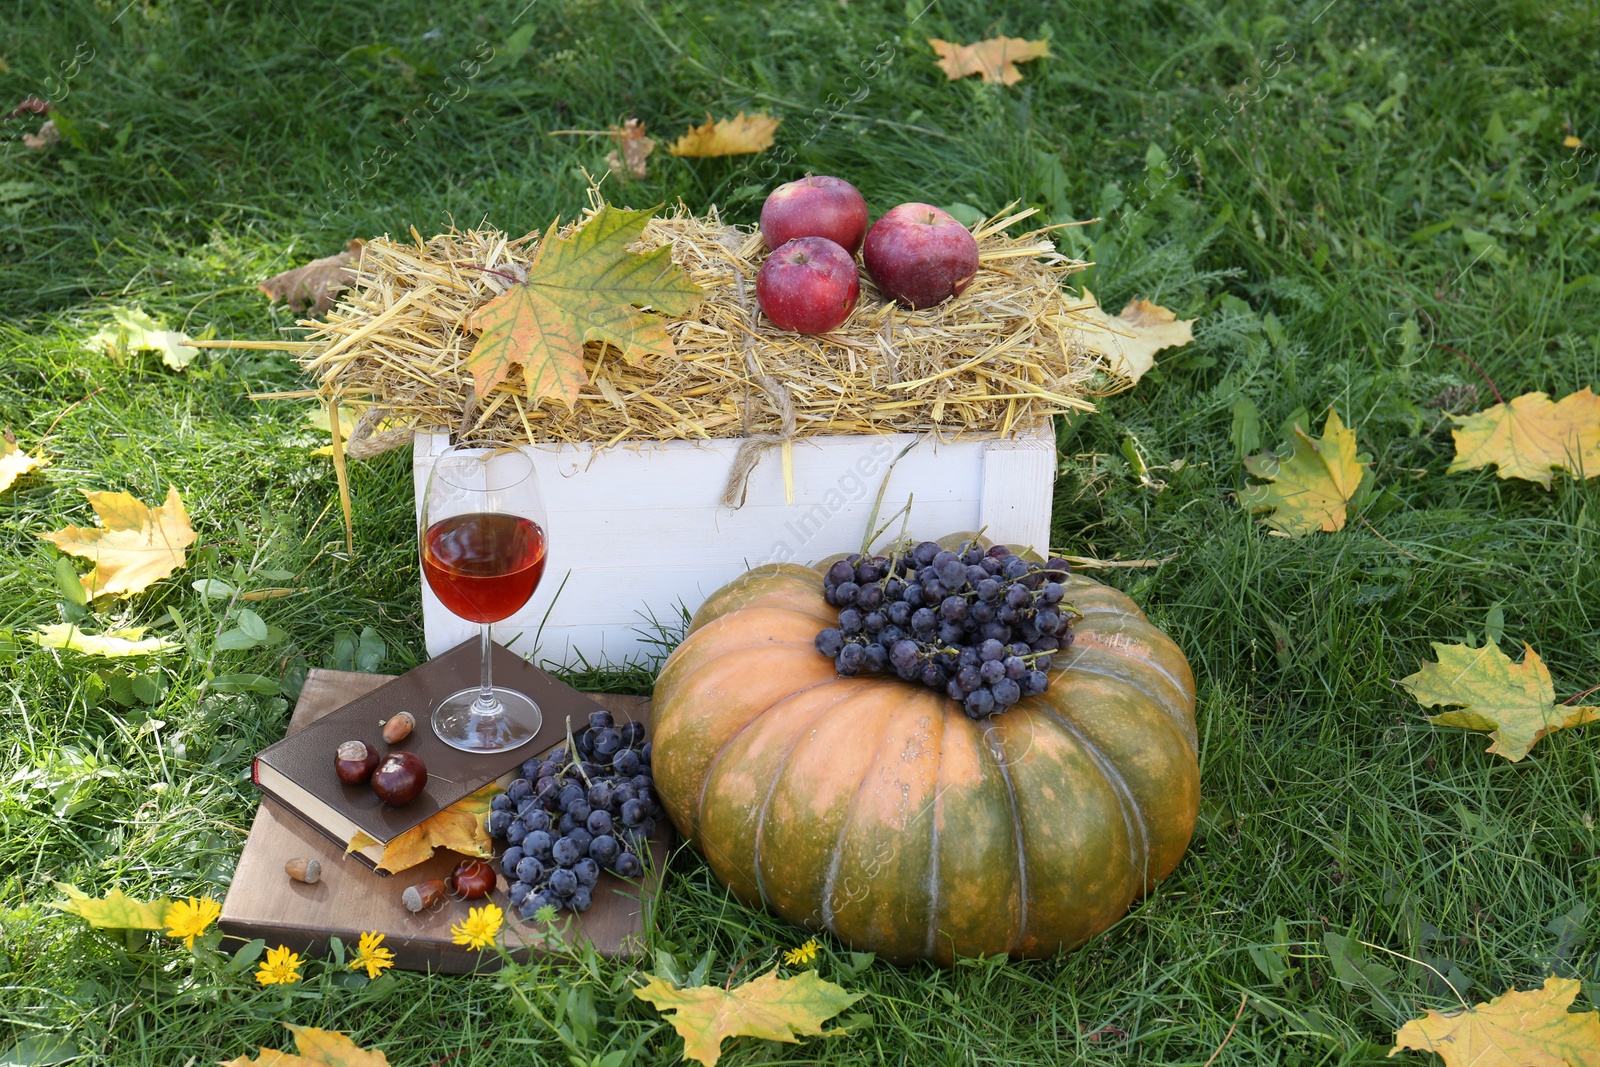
{"points": [[482, 531]]}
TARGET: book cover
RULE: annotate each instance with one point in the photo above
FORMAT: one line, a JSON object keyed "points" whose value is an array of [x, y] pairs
{"points": [[298, 772]]}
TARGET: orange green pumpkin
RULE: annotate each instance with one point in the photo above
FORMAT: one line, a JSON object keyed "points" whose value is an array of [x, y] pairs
{"points": [[877, 810]]}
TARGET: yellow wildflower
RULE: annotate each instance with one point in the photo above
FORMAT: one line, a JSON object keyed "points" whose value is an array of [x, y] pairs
{"points": [[371, 955], [479, 927], [281, 968], [190, 918], [804, 954]]}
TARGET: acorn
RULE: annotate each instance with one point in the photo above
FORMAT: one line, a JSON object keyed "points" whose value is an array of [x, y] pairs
{"points": [[400, 778], [423, 895], [354, 762], [399, 727], [472, 879], [304, 870]]}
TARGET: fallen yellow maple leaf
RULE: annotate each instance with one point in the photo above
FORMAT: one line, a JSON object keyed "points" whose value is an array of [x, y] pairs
{"points": [[741, 135], [583, 287], [995, 59], [1516, 702], [630, 158], [460, 827], [134, 546], [778, 1009], [14, 462], [1531, 436], [128, 641], [315, 1048], [1308, 489], [1532, 1029], [134, 331], [1130, 341], [114, 911]]}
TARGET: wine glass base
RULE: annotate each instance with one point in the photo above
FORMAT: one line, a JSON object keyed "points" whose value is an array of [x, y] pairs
{"points": [[460, 725]]}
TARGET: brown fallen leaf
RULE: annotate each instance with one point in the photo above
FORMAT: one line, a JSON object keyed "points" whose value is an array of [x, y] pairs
{"points": [[778, 1009], [316, 285], [1531, 436], [134, 546], [1307, 490], [1532, 1029], [583, 287], [30, 105], [1514, 702], [47, 136], [995, 59], [315, 1048], [738, 136], [635, 149], [1130, 341]]}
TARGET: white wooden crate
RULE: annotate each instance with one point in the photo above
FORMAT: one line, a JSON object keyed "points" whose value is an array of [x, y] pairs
{"points": [[637, 531]]}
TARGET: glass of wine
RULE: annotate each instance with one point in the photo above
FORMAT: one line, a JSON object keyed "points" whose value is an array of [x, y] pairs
{"points": [[483, 550]]}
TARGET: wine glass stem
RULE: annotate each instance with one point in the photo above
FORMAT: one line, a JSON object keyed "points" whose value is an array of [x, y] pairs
{"points": [[486, 704]]}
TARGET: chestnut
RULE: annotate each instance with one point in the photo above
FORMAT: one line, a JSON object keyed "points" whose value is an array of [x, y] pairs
{"points": [[354, 762], [423, 895], [399, 778], [399, 727], [472, 879]]}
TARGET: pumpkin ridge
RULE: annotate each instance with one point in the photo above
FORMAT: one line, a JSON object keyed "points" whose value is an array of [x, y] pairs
{"points": [[700, 801], [997, 750], [1119, 784], [1185, 723], [935, 807], [844, 828], [766, 801], [1159, 669]]}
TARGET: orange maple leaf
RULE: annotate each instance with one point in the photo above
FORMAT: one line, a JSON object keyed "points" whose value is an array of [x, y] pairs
{"points": [[315, 1048], [583, 287], [995, 60], [738, 136], [134, 546]]}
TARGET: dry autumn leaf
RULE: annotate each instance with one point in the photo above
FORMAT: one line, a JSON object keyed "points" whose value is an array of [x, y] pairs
{"points": [[1308, 489], [1532, 1029], [315, 1048], [460, 828], [634, 148], [1515, 702], [995, 59], [583, 287], [778, 1009], [128, 641], [14, 462], [1130, 341], [1532, 436], [134, 331], [741, 135], [114, 911], [311, 289], [134, 546]]}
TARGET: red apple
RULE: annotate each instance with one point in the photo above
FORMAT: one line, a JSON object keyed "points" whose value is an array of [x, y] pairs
{"points": [[810, 285], [919, 255], [815, 206]]}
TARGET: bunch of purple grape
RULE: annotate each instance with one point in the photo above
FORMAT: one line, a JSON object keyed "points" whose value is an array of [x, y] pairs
{"points": [[979, 626], [576, 813]]}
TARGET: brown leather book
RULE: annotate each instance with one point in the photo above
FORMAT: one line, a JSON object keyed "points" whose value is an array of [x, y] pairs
{"points": [[298, 772]]}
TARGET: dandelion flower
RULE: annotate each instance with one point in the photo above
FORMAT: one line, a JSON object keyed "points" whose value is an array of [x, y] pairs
{"points": [[371, 955], [281, 968], [190, 918], [479, 927], [804, 954]]}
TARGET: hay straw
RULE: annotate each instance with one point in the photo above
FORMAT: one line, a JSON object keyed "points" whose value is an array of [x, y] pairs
{"points": [[1003, 356]]}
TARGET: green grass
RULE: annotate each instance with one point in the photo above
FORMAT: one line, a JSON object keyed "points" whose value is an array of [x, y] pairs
{"points": [[1354, 199]]}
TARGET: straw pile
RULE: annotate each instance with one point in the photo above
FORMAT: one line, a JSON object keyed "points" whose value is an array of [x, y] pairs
{"points": [[1002, 356]]}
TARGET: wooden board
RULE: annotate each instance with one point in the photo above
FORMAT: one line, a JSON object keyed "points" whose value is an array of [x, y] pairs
{"points": [[350, 898], [640, 516]]}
